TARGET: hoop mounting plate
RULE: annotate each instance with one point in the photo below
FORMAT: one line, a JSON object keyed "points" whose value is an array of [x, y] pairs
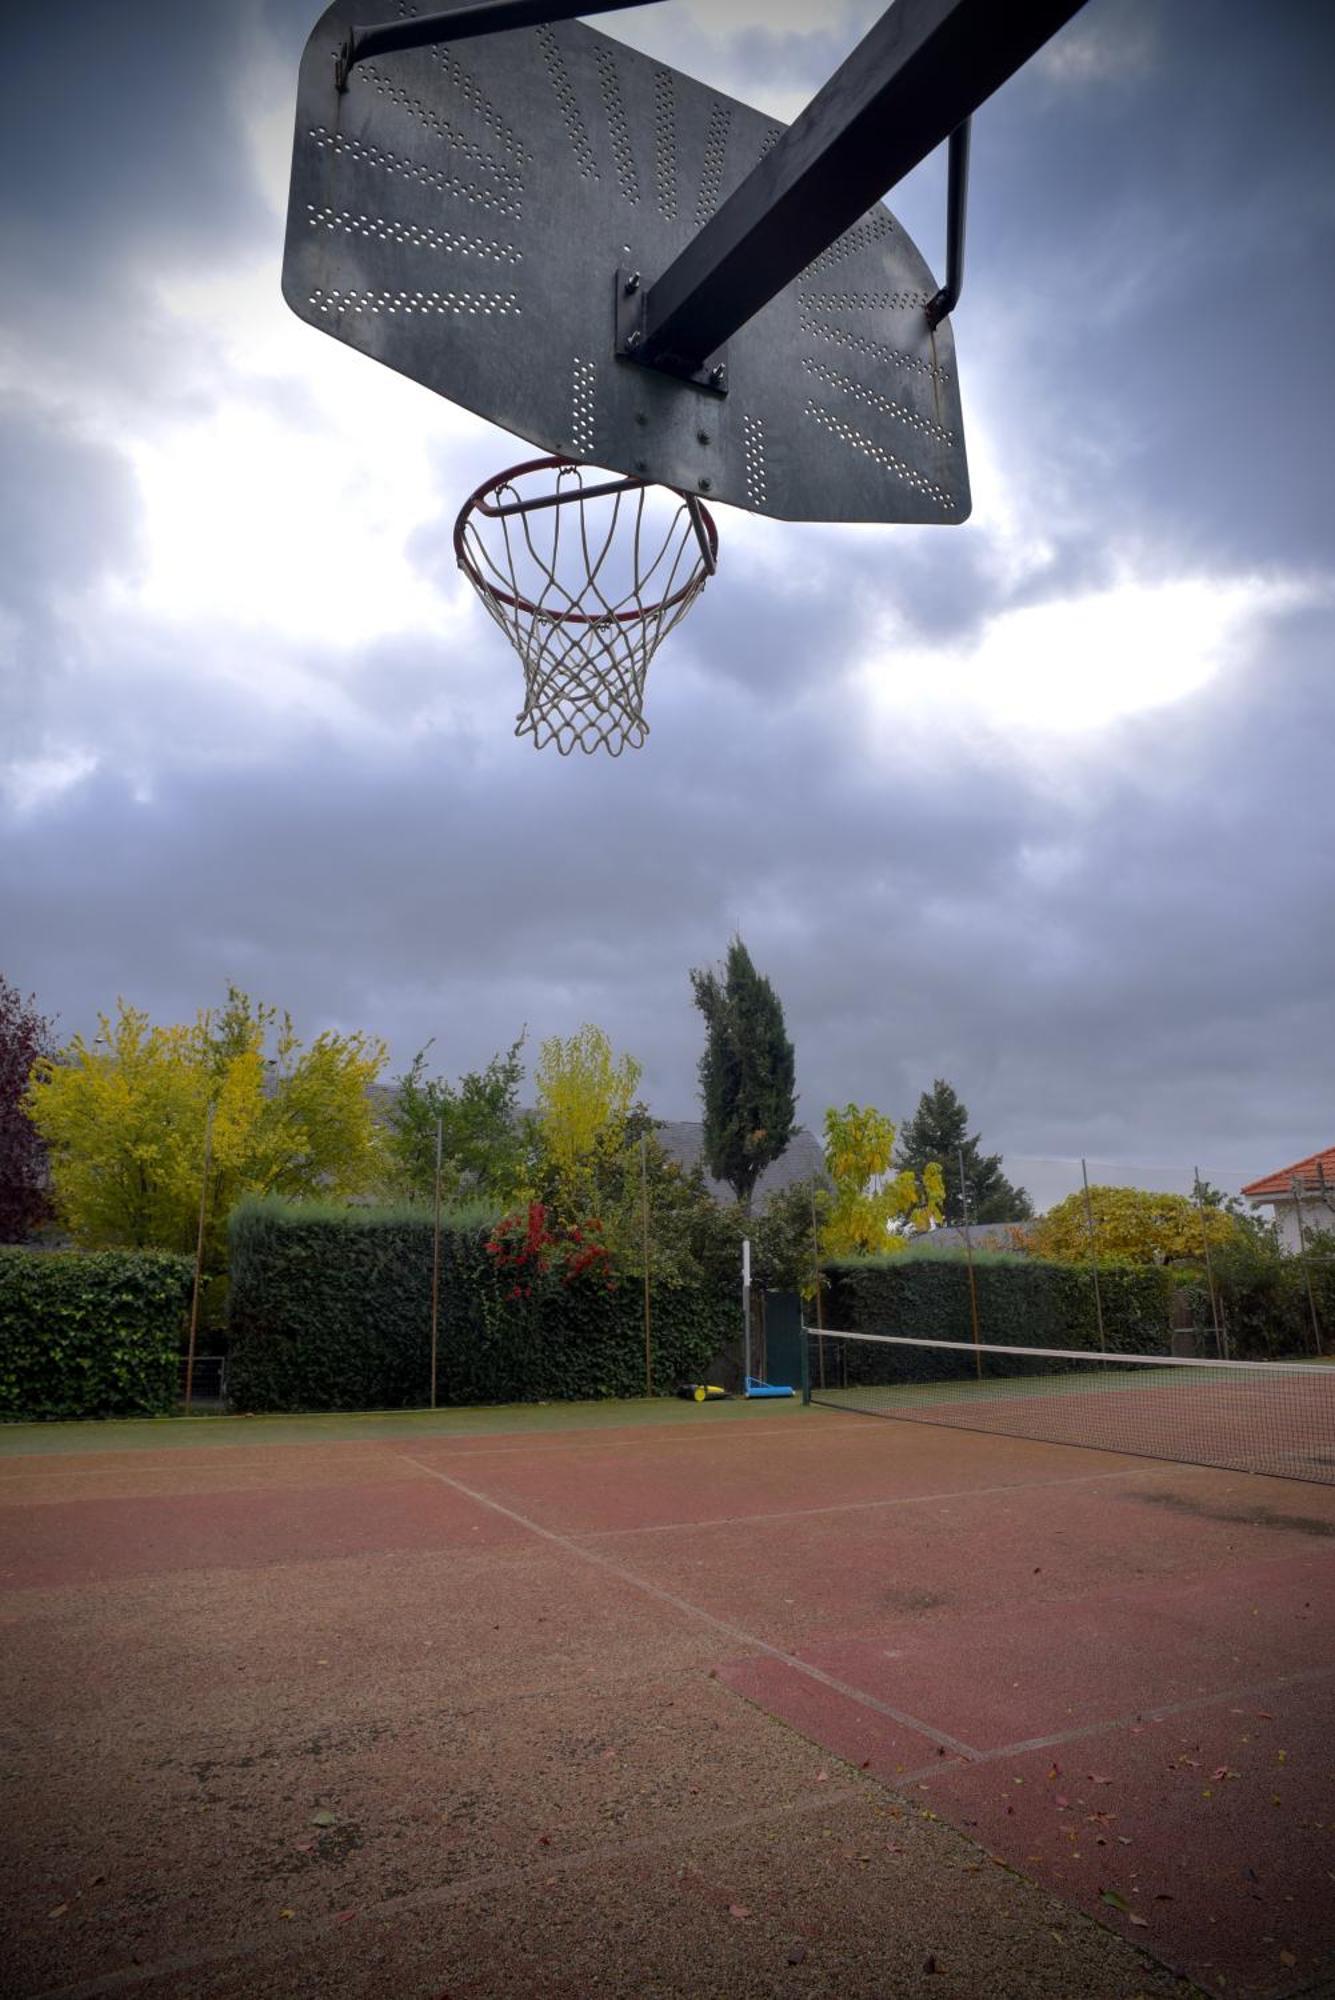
{"points": [[467, 217]]}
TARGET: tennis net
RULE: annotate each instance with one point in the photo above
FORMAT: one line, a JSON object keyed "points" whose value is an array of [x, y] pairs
{"points": [[1275, 1417]]}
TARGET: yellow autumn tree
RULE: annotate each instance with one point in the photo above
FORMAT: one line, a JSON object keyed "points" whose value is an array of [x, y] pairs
{"points": [[873, 1208], [1131, 1226], [124, 1118], [585, 1093]]}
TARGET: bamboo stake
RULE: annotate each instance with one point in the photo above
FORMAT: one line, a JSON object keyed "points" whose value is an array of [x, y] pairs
{"points": [[648, 1328], [1093, 1256], [1307, 1269], [968, 1255], [820, 1311], [435, 1258], [1220, 1347], [199, 1257]]}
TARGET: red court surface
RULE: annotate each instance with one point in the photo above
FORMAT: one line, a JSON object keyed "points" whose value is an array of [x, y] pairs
{"points": [[755, 1702]]}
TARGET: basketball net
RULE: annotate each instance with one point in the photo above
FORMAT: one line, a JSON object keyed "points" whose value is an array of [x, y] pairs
{"points": [[586, 577]]}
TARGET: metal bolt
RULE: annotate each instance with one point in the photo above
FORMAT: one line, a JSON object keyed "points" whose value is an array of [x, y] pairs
{"points": [[641, 419], [702, 437], [717, 377], [632, 284], [634, 338], [704, 484], [641, 465]]}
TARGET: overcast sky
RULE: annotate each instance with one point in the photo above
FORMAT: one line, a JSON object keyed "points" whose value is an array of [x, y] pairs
{"points": [[1043, 804]]}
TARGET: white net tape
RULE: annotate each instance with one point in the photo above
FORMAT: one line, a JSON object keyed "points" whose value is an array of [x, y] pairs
{"points": [[585, 585]]}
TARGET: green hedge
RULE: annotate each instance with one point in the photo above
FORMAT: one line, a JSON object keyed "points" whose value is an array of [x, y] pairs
{"points": [[1021, 1303], [330, 1309], [91, 1336]]}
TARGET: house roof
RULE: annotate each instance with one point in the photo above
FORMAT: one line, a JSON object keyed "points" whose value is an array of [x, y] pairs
{"points": [[684, 1138], [1315, 1174], [982, 1236]]}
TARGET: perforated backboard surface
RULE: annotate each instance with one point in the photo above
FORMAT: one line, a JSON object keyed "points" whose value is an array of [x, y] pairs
{"points": [[461, 214]]}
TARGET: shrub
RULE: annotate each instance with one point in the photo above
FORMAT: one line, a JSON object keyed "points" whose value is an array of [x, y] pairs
{"points": [[1021, 1303], [90, 1336], [331, 1309]]}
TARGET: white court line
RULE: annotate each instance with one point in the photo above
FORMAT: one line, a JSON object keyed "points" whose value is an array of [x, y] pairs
{"points": [[864, 1506], [736, 1634]]}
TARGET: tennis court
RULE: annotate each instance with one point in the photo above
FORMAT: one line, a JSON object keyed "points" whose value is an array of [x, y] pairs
{"points": [[659, 1700]]}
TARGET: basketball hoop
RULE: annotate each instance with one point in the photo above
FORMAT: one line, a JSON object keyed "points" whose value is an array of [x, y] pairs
{"points": [[585, 580]]}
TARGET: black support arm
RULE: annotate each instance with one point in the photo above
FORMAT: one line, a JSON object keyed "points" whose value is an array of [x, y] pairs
{"points": [[919, 74], [457, 24]]}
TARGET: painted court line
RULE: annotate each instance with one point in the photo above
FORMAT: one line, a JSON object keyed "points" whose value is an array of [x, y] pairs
{"points": [[864, 1506], [289, 1936], [1160, 1712], [736, 1634]]}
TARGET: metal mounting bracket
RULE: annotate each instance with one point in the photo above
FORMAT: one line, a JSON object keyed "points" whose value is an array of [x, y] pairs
{"points": [[631, 293], [957, 202]]}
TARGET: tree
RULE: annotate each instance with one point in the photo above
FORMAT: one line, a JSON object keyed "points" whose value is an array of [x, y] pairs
{"points": [[482, 1131], [25, 1038], [746, 1073], [1132, 1226], [872, 1210], [585, 1094], [124, 1116], [935, 1134]]}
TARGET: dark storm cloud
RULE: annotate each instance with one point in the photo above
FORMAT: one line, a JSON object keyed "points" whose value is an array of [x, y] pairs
{"points": [[1115, 942]]}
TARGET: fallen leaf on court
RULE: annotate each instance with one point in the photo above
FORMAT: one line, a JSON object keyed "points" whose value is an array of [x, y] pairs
{"points": [[305, 1847], [893, 1847], [324, 1819], [345, 1916], [287, 1913], [1142, 1923], [738, 1910], [1056, 1771], [1115, 1900], [59, 1910], [822, 1777], [797, 1955], [1224, 1771], [1287, 1958], [1060, 1800], [1095, 1779], [1124, 1840]]}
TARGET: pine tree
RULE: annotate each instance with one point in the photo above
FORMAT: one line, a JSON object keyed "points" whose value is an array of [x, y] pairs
{"points": [[937, 1131], [746, 1073]]}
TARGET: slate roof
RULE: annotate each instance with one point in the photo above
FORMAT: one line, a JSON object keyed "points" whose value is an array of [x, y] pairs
{"points": [[683, 1139], [1314, 1175], [983, 1235]]}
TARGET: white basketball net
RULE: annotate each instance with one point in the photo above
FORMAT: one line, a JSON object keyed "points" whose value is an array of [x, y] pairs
{"points": [[585, 588]]}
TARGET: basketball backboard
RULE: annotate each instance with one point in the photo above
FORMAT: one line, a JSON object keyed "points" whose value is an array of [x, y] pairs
{"points": [[482, 216]]}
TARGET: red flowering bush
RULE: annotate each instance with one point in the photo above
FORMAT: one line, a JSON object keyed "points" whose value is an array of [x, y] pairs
{"points": [[527, 1245]]}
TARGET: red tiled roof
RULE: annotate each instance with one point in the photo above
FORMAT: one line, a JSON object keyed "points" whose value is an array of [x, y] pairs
{"points": [[1316, 1172]]}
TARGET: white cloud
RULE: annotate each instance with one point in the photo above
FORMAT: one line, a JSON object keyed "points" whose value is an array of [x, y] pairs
{"points": [[29, 783], [1074, 665]]}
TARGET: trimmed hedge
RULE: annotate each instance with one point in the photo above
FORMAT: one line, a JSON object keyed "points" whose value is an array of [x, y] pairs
{"points": [[91, 1335], [330, 1309], [1021, 1303]]}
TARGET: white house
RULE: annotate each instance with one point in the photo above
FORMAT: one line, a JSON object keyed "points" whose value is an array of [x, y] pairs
{"points": [[1302, 1197]]}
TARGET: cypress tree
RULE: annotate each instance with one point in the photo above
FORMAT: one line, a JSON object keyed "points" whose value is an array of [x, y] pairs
{"points": [[938, 1130], [746, 1073]]}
